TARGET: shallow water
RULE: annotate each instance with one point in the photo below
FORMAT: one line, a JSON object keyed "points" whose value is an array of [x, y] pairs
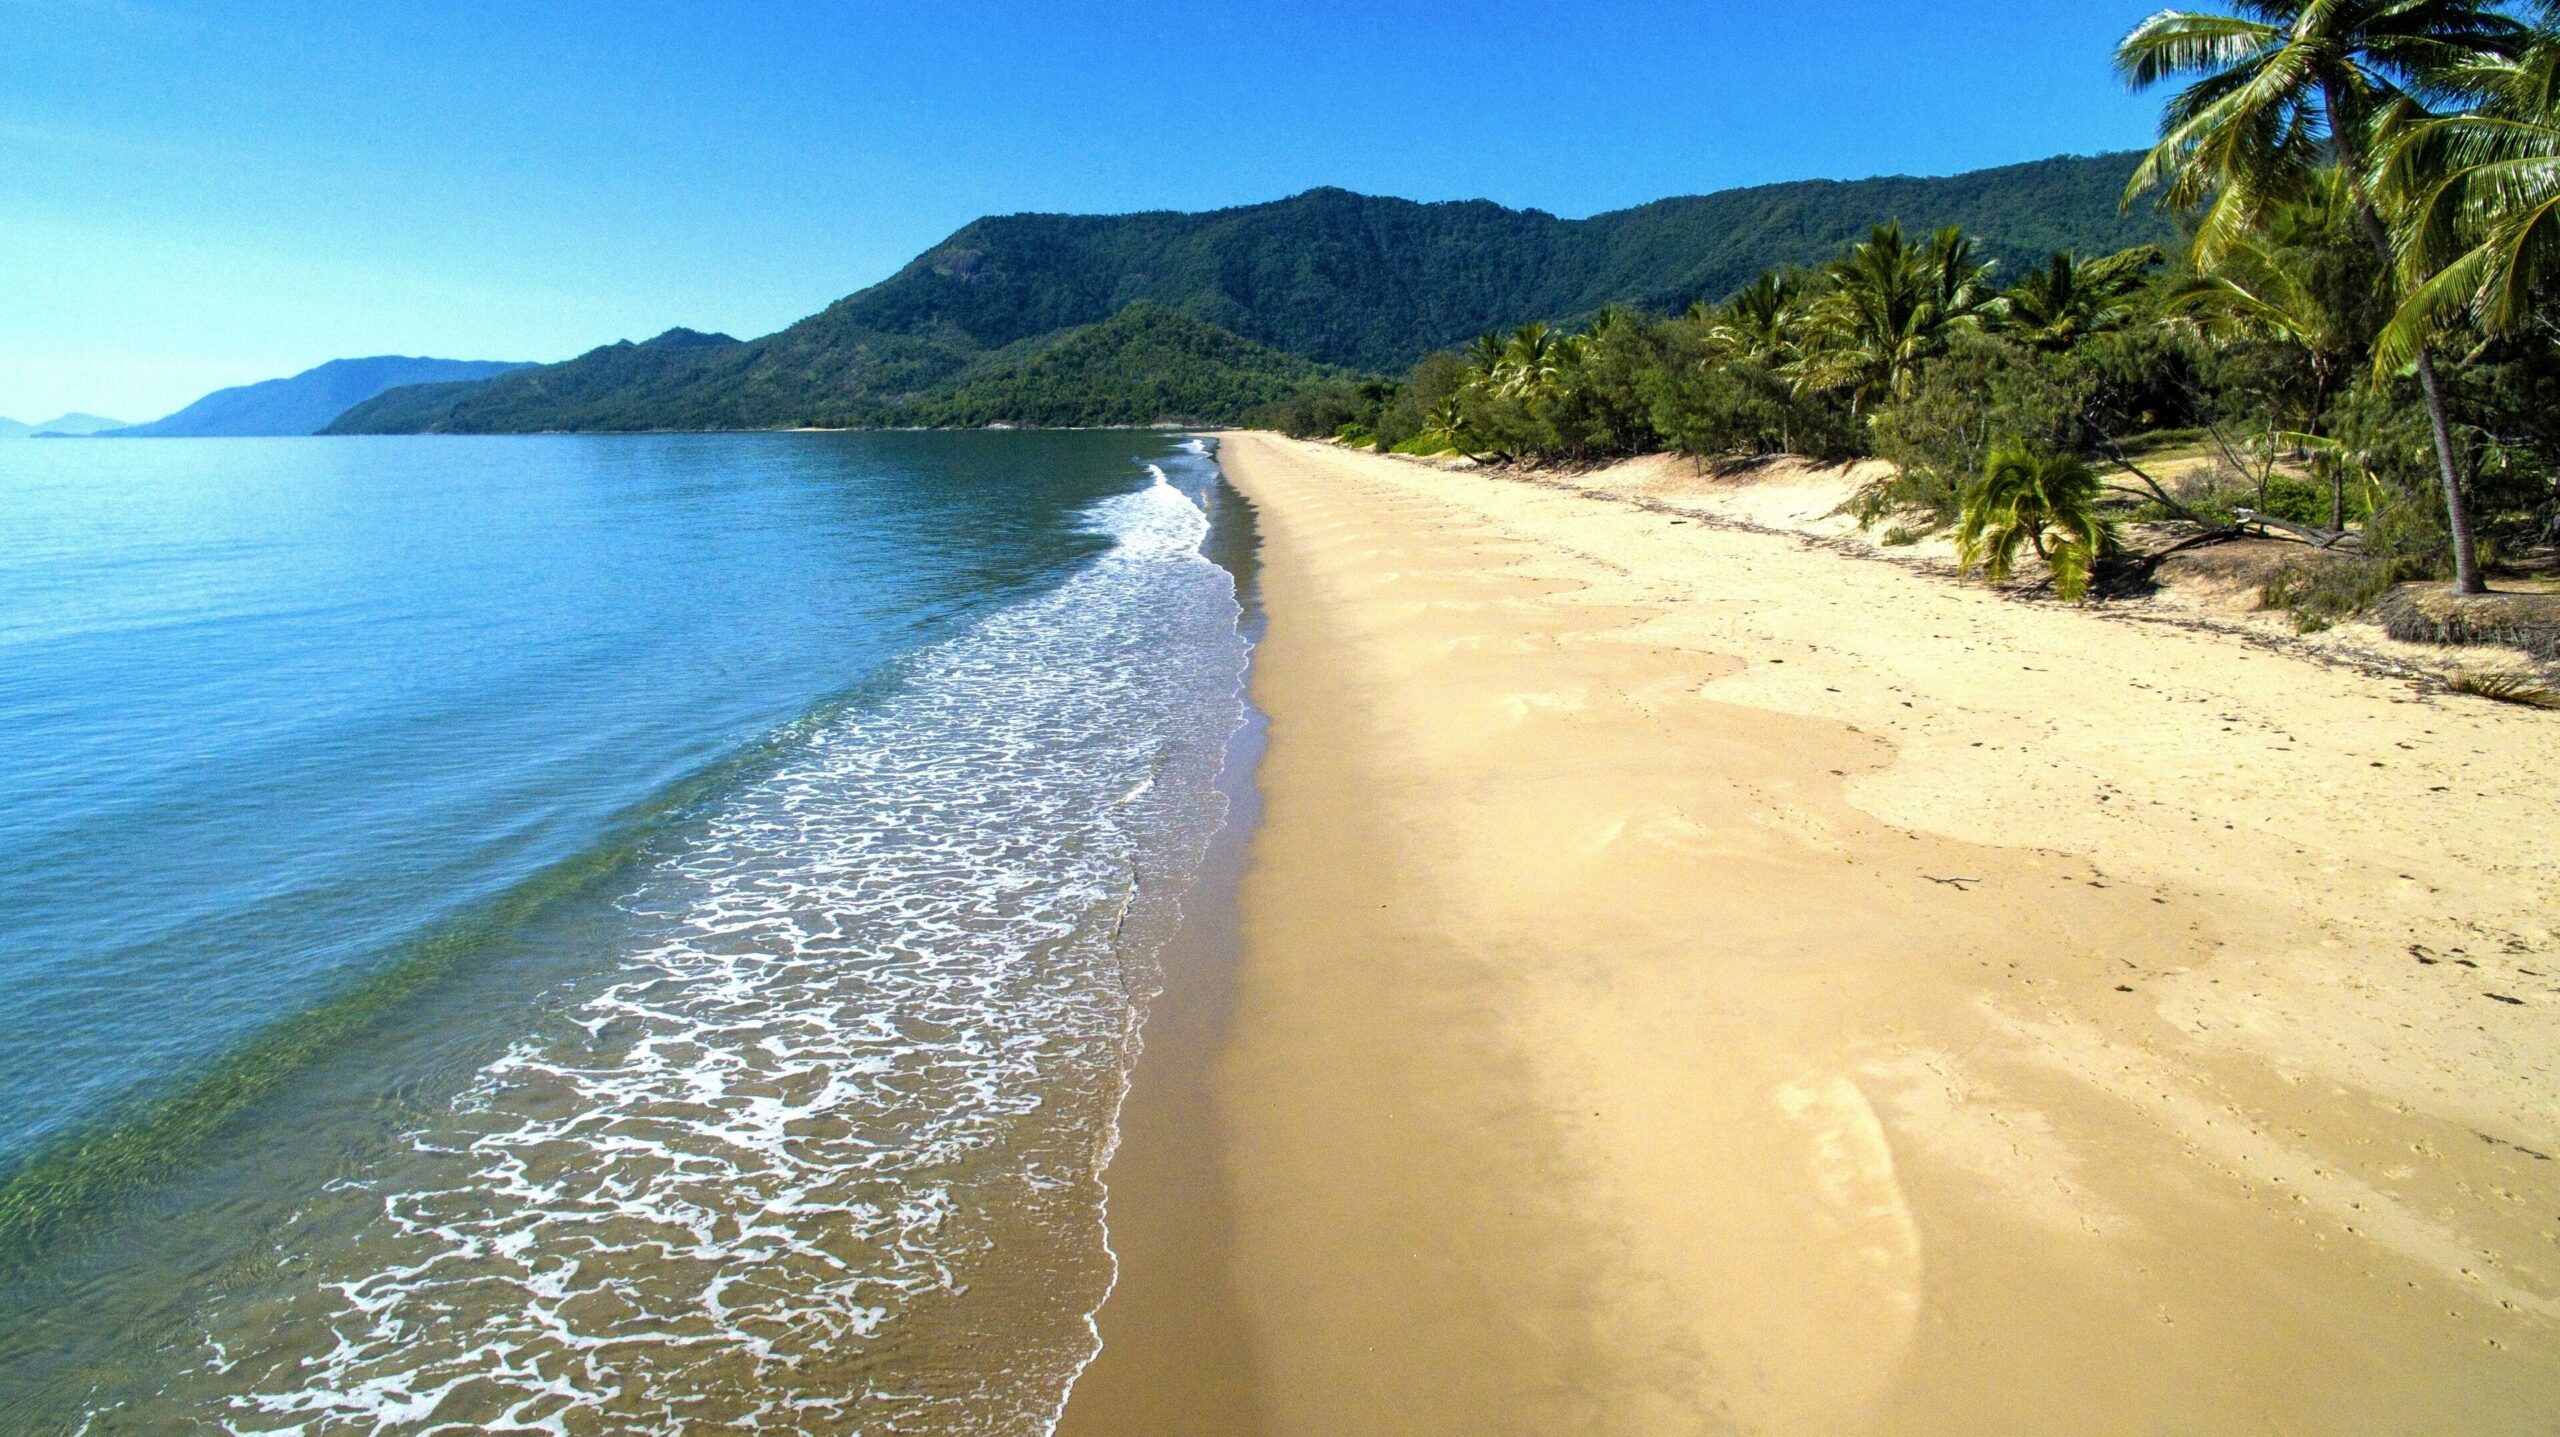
{"points": [[646, 932]]}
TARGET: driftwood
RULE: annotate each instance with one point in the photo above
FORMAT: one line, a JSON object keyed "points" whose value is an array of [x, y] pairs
{"points": [[2316, 538], [2124, 461]]}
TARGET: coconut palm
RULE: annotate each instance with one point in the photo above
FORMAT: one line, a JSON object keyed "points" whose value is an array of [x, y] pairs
{"points": [[1888, 307], [1445, 425], [2299, 280], [2036, 500], [2285, 88], [2068, 299], [2482, 244], [1530, 363], [1761, 325]]}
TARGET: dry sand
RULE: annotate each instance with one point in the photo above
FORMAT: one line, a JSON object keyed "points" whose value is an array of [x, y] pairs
{"points": [[1694, 981]]}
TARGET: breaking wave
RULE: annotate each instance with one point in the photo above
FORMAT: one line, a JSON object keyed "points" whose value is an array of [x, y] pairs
{"points": [[821, 1153]]}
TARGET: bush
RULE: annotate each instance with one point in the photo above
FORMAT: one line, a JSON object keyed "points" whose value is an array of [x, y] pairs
{"points": [[1982, 392], [1317, 413], [2322, 592]]}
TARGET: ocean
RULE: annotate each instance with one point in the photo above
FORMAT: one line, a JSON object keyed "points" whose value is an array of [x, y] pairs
{"points": [[585, 934]]}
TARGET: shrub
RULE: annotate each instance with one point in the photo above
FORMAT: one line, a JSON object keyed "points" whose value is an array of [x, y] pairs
{"points": [[1981, 392], [2035, 498], [2322, 592]]}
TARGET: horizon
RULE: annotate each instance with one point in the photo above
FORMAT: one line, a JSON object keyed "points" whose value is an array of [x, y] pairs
{"points": [[739, 171]]}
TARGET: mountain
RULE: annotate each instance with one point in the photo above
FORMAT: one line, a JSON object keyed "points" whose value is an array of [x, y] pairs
{"points": [[1145, 365], [305, 403], [12, 429], [74, 425], [1329, 276]]}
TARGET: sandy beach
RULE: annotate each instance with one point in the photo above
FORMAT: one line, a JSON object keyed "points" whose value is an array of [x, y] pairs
{"points": [[1691, 980]]}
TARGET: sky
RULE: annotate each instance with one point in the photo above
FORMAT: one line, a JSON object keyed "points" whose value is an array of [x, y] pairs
{"points": [[201, 195]]}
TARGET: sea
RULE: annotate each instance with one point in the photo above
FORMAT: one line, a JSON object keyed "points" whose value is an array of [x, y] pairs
{"points": [[581, 934]]}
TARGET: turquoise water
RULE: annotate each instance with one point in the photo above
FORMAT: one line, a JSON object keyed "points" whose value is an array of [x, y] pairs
{"points": [[580, 933]]}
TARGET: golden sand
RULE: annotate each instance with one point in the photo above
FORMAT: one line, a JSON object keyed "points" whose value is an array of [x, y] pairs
{"points": [[1693, 981]]}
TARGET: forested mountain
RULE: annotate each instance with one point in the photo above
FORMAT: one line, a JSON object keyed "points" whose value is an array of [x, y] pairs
{"points": [[1377, 283], [306, 402], [1328, 276], [1145, 365]]}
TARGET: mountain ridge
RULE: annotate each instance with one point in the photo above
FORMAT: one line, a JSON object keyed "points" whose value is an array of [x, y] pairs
{"points": [[1336, 278], [74, 425], [308, 402]]}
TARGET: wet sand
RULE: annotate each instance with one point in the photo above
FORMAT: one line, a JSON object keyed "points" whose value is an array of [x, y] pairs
{"points": [[1175, 1356], [1692, 982]]}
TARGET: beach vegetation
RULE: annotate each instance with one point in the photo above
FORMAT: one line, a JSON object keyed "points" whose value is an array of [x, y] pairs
{"points": [[2038, 498], [2348, 337]]}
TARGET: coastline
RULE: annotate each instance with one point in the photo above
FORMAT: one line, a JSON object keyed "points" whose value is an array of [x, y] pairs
{"points": [[1174, 1353], [1693, 982]]}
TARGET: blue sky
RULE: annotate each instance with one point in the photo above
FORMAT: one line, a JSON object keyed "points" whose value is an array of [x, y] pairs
{"points": [[200, 195]]}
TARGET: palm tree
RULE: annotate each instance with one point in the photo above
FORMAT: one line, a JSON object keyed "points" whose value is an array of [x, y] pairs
{"points": [[2287, 87], [2483, 189], [1530, 362], [2031, 499], [1762, 324], [1889, 307], [2294, 282], [2068, 299], [1608, 321], [1446, 425]]}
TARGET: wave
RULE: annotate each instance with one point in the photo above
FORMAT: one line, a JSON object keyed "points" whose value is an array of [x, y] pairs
{"points": [[830, 1136]]}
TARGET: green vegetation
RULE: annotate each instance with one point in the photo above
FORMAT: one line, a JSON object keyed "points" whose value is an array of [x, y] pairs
{"points": [[2044, 501], [2352, 338], [1340, 279], [1145, 365]]}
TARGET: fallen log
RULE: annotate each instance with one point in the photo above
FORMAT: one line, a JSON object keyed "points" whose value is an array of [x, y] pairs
{"points": [[2316, 538]]}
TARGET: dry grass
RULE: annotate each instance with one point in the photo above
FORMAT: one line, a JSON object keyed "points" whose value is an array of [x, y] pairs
{"points": [[2431, 614], [2506, 688]]}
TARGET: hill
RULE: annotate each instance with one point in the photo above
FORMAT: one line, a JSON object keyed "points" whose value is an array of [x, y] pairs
{"points": [[74, 425], [1144, 365], [12, 429], [1377, 283], [306, 402], [1329, 276]]}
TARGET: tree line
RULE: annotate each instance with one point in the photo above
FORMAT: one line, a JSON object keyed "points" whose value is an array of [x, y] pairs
{"points": [[2359, 315]]}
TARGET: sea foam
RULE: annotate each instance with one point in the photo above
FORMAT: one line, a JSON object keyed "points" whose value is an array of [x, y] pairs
{"points": [[821, 1154]]}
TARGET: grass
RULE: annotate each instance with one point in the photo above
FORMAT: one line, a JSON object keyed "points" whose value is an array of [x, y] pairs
{"points": [[2505, 688], [2530, 622], [2322, 592]]}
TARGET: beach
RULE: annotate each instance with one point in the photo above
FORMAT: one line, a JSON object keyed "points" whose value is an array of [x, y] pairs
{"points": [[1690, 979]]}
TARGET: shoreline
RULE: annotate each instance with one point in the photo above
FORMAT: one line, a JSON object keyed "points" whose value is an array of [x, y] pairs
{"points": [[1693, 982], [1173, 1353]]}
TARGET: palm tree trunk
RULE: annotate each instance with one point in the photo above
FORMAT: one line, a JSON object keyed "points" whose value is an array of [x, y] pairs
{"points": [[2457, 512]]}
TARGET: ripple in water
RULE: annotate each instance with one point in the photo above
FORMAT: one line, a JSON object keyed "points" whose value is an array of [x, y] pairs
{"points": [[823, 1155]]}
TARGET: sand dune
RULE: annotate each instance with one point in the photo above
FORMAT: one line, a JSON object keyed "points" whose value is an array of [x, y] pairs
{"points": [[1694, 981]]}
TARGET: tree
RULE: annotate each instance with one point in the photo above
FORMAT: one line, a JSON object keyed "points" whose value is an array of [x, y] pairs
{"points": [[2068, 299], [2287, 87], [2039, 499], [1887, 307], [2300, 281], [1529, 363], [2482, 245], [1762, 325]]}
